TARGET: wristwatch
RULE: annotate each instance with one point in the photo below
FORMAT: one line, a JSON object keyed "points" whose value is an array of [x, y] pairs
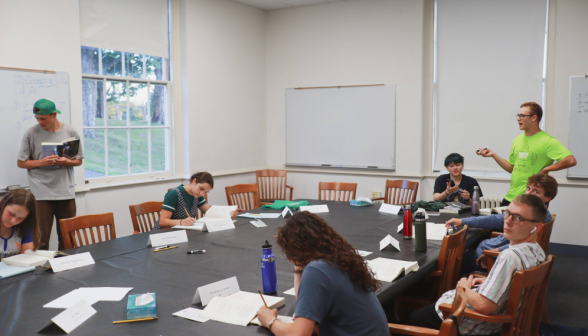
{"points": [[271, 323]]}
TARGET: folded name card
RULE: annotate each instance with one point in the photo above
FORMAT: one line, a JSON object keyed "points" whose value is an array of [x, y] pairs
{"points": [[72, 317], [219, 225], [70, 262], [391, 209], [167, 238], [220, 288], [389, 240], [315, 208], [400, 227], [286, 211]]}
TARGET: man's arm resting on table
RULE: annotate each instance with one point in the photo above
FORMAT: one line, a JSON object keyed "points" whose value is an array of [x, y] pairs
{"points": [[567, 162]]}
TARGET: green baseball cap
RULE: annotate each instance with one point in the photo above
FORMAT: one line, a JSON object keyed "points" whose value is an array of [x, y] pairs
{"points": [[45, 106]]}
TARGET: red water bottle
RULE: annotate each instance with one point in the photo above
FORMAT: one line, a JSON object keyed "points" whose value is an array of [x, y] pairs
{"points": [[407, 222]]}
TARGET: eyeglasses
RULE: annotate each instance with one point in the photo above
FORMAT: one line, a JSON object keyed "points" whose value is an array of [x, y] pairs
{"points": [[522, 116], [516, 218]]}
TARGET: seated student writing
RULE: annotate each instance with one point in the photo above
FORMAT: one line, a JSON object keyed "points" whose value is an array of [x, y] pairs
{"points": [[541, 185], [183, 200], [333, 285], [19, 230], [523, 219], [455, 186]]}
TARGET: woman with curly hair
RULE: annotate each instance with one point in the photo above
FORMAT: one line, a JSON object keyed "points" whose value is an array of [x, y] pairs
{"points": [[333, 285]]}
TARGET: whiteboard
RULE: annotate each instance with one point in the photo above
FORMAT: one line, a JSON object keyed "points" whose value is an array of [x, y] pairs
{"points": [[19, 90], [578, 126], [349, 127]]}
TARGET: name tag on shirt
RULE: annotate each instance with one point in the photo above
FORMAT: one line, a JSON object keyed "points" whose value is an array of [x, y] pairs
{"points": [[167, 238]]}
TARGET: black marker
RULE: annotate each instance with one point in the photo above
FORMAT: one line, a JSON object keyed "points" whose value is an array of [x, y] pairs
{"points": [[196, 252]]}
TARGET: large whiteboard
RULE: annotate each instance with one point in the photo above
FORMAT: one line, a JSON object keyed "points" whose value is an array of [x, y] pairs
{"points": [[19, 90], [349, 127], [578, 125]]}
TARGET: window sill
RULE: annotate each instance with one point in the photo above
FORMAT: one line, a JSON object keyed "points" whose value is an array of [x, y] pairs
{"points": [[86, 188]]}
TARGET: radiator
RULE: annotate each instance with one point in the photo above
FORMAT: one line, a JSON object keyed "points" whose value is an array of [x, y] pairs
{"points": [[490, 202]]}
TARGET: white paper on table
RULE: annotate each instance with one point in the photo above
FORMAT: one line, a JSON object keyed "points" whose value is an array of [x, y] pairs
{"points": [[389, 240], [239, 308], [71, 262], [75, 315], [315, 208], [389, 208], [167, 238], [250, 215], [258, 223], [400, 227], [220, 288], [70, 299], [270, 215], [436, 231], [364, 253], [290, 291], [192, 314], [104, 293]]}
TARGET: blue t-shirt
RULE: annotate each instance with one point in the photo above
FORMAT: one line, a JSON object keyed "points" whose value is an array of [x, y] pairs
{"points": [[12, 245], [327, 296]]}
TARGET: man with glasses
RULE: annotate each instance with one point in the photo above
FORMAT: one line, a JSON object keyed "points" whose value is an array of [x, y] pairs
{"points": [[489, 295], [540, 185], [532, 152]]}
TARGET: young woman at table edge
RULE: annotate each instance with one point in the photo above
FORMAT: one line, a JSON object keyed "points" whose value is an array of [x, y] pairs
{"points": [[19, 230], [333, 285], [186, 198]]}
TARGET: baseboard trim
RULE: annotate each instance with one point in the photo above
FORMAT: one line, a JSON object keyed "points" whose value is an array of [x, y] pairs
{"points": [[579, 250]]}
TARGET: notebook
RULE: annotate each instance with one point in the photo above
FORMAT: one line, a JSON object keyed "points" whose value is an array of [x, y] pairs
{"points": [[389, 269], [68, 148], [239, 308], [217, 212], [7, 271], [32, 258]]}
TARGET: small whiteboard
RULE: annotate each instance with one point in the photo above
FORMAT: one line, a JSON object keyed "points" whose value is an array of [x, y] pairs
{"points": [[578, 126], [348, 127], [19, 90]]}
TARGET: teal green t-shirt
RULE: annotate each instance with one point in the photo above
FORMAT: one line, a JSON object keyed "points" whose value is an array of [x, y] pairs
{"points": [[170, 201], [530, 154]]}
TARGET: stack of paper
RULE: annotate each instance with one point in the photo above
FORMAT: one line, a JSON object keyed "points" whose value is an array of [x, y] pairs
{"points": [[31, 258], [389, 269], [90, 294], [239, 308], [259, 216], [436, 231], [9, 270]]}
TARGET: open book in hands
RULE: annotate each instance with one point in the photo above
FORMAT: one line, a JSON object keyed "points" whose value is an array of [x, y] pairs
{"points": [[32, 258]]}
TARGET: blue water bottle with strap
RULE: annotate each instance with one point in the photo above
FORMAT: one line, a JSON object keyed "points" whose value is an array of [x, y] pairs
{"points": [[268, 270]]}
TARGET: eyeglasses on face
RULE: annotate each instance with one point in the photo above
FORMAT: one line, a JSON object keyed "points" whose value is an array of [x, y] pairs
{"points": [[516, 218], [522, 116]]}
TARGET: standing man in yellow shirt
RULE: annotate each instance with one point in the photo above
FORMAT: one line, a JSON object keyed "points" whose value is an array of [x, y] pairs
{"points": [[532, 152]]}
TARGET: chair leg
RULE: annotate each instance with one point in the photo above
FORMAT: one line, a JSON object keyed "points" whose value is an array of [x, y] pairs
{"points": [[544, 317]]}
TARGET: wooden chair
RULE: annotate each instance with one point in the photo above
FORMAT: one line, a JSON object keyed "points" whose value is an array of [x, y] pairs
{"points": [[145, 215], [244, 196], [337, 191], [525, 302], [272, 185], [448, 327], [74, 231], [400, 192]]}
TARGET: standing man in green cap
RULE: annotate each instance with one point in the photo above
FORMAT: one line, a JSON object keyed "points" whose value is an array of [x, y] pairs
{"points": [[51, 178]]}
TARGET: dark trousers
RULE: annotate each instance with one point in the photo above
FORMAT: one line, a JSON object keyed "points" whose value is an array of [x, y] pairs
{"points": [[53, 209], [425, 317], [504, 202]]}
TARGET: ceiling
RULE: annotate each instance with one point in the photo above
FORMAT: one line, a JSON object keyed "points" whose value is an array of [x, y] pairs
{"points": [[278, 4]]}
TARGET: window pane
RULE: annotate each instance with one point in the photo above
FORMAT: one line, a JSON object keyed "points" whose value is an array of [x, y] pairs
{"points": [[94, 153], [90, 61], [157, 68], [134, 65], [138, 104], [139, 151], [111, 62], [93, 96], [160, 150], [116, 103], [158, 105], [118, 159]]}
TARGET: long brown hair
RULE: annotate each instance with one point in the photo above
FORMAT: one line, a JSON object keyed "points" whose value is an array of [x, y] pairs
{"points": [[307, 237], [27, 199]]}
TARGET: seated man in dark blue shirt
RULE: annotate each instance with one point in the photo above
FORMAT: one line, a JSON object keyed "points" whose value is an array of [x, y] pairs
{"points": [[541, 185]]}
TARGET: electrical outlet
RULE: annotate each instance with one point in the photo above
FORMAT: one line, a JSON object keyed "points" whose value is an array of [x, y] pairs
{"points": [[376, 194]]}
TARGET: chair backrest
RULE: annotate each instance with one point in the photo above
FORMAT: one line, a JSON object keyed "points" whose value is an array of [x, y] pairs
{"points": [[401, 192], [337, 191], [450, 258], [544, 235], [526, 299], [198, 213], [74, 231], [145, 215], [272, 184], [244, 196]]}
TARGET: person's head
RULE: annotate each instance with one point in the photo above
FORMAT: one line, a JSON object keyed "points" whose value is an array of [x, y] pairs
{"points": [[45, 113], [19, 212], [202, 183], [454, 164], [542, 186], [529, 115], [307, 237], [524, 217]]}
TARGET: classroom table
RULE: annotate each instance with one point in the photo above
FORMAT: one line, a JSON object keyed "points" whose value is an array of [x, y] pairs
{"points": [[174, 275]]}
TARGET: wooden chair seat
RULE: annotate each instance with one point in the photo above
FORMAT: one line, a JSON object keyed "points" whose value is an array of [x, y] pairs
{"points": [[337, 191], [400, 192], [272, 185], [75, 230], [244, 196]]}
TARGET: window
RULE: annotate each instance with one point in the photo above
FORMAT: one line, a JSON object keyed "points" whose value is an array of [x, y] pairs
{"points": [[126, 110]]}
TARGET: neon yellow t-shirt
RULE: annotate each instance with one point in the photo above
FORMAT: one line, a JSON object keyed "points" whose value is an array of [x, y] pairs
{"points": [[530, 154]]}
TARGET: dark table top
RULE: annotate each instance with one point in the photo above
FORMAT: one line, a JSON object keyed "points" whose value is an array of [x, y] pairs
{"points": [[174, 275]]}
